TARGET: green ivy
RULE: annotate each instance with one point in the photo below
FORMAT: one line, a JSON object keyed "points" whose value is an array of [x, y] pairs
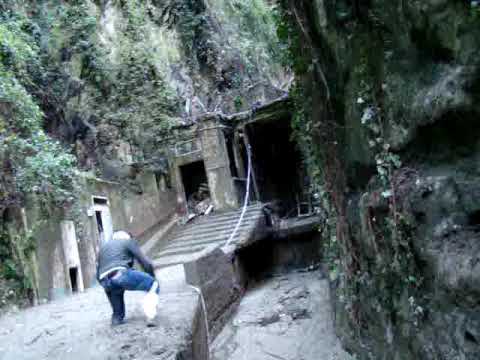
{"points": [[296, 57], [293, 54], [41, 166]]}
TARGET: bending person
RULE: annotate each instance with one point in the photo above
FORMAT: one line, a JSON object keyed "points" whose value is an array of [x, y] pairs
{"points": [[115, 274]]}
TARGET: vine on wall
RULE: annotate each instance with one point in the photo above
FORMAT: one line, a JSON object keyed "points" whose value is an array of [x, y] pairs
{"points": [[319, 130]]}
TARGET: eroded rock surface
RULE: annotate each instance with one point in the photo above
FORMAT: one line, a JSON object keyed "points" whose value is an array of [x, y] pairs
{"points": [[397, 82], [287, 317]]}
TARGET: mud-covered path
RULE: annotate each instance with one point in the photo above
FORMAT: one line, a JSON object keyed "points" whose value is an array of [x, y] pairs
{"points": [[285, 318], [78, 328]]}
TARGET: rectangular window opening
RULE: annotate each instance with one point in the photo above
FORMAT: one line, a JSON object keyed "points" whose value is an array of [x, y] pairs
{"points": [[98, 200], [74, 279]]}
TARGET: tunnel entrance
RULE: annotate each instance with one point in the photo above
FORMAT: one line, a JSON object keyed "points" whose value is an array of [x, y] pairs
{"points": [[195, 182], [278, 166]]}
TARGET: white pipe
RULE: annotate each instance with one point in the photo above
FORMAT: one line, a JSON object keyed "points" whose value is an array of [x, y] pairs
{"points": [[245, 204], [204, 309]]}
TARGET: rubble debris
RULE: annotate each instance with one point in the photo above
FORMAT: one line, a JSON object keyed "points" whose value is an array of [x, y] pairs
{"points": [[200, 201]]}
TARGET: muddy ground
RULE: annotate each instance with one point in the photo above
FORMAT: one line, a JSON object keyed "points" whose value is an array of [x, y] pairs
{"points": [[286, 317], [78, 328]]}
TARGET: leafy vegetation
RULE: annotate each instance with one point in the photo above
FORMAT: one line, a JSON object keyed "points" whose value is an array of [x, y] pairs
{"points": [[316, 135], [33, 162], [387, 273], [55, 70]]}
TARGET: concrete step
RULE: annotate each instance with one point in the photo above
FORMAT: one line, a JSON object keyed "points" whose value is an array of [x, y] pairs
{"points": [[181, 242], [228, 214], [187, 250], [212, 230], [206, 239], [188, 240], [161, 233], [194, 246], [225, 215], [249, 216], [216, 224], [233, 213]]}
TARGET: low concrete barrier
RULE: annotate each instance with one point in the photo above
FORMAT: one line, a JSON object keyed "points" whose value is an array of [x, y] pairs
{"points": [[213, 273]]}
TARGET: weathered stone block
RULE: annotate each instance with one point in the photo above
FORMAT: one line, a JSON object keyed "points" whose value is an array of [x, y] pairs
{"points": [[209, 265], [213, 272]]}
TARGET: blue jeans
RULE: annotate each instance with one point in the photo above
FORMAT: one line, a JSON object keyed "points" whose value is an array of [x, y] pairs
{"points": [[125, 280]]}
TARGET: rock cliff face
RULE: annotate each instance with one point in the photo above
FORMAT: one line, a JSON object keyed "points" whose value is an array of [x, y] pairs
{"points": [[215, 54], [395, 89], [112, 77]]}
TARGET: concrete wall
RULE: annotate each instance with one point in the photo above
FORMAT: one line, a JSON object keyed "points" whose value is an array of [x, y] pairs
{"points": [[87, 248], [63, 242], [53, 282], [217, 165], [70, 251], [214, 274], [135, 212]]}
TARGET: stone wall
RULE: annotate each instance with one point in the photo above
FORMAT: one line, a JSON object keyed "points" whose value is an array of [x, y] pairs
{"points": [[394, 93], [210, 138], [217, 165]]}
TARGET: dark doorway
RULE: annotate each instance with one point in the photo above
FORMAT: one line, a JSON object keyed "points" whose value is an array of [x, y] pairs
{"points": [[277, 164], [231, 155], [194, 178], [74, 279], [98, 215]]}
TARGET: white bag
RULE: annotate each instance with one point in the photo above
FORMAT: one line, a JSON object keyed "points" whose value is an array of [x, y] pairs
{"points": [[150, 302]]}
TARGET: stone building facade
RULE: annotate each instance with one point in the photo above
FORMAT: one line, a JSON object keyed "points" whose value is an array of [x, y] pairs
{"points": [[67, 244], [214, 150]]}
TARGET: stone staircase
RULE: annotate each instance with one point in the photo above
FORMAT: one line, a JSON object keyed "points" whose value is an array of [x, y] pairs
{"points": [[187, 240]]}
